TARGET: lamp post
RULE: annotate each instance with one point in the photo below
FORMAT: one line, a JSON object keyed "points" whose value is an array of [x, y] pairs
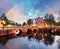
{"points": [[3, 22]]}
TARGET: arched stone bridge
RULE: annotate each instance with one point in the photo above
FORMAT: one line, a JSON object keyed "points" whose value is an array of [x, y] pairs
{"points": [[24, 29]]}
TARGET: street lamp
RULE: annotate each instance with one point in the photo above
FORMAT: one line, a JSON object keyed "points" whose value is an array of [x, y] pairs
{"points": [[3, 22]]}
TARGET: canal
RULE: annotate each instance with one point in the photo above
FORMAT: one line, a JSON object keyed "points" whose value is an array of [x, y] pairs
{"points": [[44, 41]]}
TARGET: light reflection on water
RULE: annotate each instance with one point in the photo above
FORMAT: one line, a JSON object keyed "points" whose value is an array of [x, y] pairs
{"points": [[25, 43]]}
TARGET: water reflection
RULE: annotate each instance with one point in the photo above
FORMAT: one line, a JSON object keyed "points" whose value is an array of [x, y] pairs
{"points": [[3, 46], [25, 43], [49, 40], [38, 41], [5, 38], [58, 41]]}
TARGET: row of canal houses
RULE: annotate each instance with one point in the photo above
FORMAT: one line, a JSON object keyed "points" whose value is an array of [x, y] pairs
{"points": [[41, 23]]}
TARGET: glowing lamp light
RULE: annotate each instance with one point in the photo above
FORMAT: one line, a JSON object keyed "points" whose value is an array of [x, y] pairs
{"points": [[52, 31], [45, 34], [3, 22], [34, 25], [46, 25], [55, 29], [42, 36]]}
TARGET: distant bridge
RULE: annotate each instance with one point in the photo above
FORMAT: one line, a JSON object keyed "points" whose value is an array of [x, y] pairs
{"points": [[10, 30]]}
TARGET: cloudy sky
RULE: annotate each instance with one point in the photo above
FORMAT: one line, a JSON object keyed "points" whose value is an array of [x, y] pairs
{"points": [[21, 10]]}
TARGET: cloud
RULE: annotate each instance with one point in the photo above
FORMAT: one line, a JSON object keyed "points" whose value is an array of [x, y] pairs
{"points": [[15, 14], [24, 8], [54, 10]]}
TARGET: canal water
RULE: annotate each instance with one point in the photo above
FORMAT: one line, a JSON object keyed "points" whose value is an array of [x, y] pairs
{"points": [[50, 42]]}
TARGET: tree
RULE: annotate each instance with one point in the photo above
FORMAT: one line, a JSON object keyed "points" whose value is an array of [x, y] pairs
{"points": [[29, 21], [58, 23], [24, 23], [58, 18], [46, 16], [3, 16], [49, 17], [49, 40]]}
